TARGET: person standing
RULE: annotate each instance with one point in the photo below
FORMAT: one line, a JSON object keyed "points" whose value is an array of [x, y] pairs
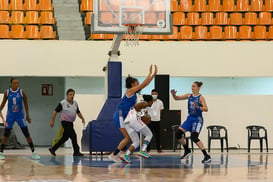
{"points": [[155, 113], [194, 122], [16, 97], [128, 101], [68, 109]]}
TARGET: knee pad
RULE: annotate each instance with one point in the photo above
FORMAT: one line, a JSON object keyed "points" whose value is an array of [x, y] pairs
{"points": [[7, 132], [178, 134], [25, 131], [194, 137]]}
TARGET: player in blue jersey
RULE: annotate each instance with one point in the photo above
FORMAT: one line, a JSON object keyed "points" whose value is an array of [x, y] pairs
{"points": [[194, 122], [16, 97], [128, 101]]}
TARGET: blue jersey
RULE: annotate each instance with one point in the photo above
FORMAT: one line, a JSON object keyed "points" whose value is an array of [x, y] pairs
{"points": [[126, 104], [192, 109], [15, 101]]}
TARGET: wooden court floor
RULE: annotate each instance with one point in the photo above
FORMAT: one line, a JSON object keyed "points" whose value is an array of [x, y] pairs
{"points": [[234, 166]]}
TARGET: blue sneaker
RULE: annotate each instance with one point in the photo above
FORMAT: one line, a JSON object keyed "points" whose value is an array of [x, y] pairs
{"points": [[126, 159]]}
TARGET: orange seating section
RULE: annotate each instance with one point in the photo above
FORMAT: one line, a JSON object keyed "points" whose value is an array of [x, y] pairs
{"points": [[209, 20], [27, 19]]}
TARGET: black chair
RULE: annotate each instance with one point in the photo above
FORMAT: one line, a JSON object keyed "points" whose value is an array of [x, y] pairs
{"points": [[254, 133], [187, 138], [214, 133]]}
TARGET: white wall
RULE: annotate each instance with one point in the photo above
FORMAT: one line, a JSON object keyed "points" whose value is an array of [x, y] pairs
{"points": [[235, 112], [87, 58], [40, 107]]}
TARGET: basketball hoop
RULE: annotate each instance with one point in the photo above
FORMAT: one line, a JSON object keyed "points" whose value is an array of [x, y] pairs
{"points": [[132, 33]]}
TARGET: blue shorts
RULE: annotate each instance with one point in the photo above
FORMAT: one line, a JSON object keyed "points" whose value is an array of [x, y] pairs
{"points": [[118, 119], [193, 124], [19, 117]]}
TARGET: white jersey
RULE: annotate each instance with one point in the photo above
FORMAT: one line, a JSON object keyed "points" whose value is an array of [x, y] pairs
{"points": [[68, 112], [133, 121]]}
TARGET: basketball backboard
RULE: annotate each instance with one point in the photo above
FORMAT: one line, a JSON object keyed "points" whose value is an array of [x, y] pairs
{"points": [[111, 16]]}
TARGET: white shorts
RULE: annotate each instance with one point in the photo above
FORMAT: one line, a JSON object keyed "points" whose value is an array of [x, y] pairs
{"points": [[133, 121]]}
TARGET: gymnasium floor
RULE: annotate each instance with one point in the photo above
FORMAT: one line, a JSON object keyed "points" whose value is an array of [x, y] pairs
{"points": [[235, 166]]}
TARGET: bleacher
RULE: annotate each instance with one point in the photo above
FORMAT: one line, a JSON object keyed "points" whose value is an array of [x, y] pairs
{"points": [[27, 19], [207, 20]]}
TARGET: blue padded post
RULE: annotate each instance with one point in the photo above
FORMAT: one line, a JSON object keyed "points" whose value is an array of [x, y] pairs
{"points": [[114, 79]]}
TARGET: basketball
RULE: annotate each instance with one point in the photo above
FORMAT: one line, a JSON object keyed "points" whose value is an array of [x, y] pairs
{"points": [[146, 118]]}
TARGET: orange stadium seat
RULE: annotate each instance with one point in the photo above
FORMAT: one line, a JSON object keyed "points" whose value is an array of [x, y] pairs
{"points": [[46, 32], [109, 36], [201, 33], [87, 5], [157, 37], [186, 5], [16, 5], [17, 32], [270, 33], [256, 5], [221, 18], [260, 33], [31, 5], [265, 18], [4, 5], [186, 33], [144, 37], [4, 32], [4, 17], [216, 33], [47, 18], [174, 36], [17, 17], [228, 5], [200, 5], [245, 33], [45, 5], [174, 6], [98, 36], [193, 18], [32, 17], [250, 18], [32, 32], [207, 18], [236, 19], [179, 18], [243, 5], [268, 5], [214, 5], [87, 19], [230, 33]]}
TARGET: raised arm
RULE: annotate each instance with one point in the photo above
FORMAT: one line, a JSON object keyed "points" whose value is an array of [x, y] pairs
{"points": [[140, 106], [179, 97], [204, 104], [146, 82], [26, 106]]}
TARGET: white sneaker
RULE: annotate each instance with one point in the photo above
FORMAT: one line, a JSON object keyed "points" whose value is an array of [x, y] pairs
{"points": [[35, 156], [2, 157], [114, 158]]}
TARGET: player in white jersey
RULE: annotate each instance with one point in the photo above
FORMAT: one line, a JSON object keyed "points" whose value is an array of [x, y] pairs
{"points": [[134, 124]]}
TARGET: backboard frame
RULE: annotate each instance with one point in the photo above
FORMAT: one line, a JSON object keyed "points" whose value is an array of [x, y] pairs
{"points": [[100, 28]]}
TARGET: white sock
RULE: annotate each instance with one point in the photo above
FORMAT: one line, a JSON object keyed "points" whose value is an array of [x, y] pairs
{"points": [[127, 152]]}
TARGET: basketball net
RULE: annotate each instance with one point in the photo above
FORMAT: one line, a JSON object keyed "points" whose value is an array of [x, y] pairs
{"points": [[132, 34]]}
